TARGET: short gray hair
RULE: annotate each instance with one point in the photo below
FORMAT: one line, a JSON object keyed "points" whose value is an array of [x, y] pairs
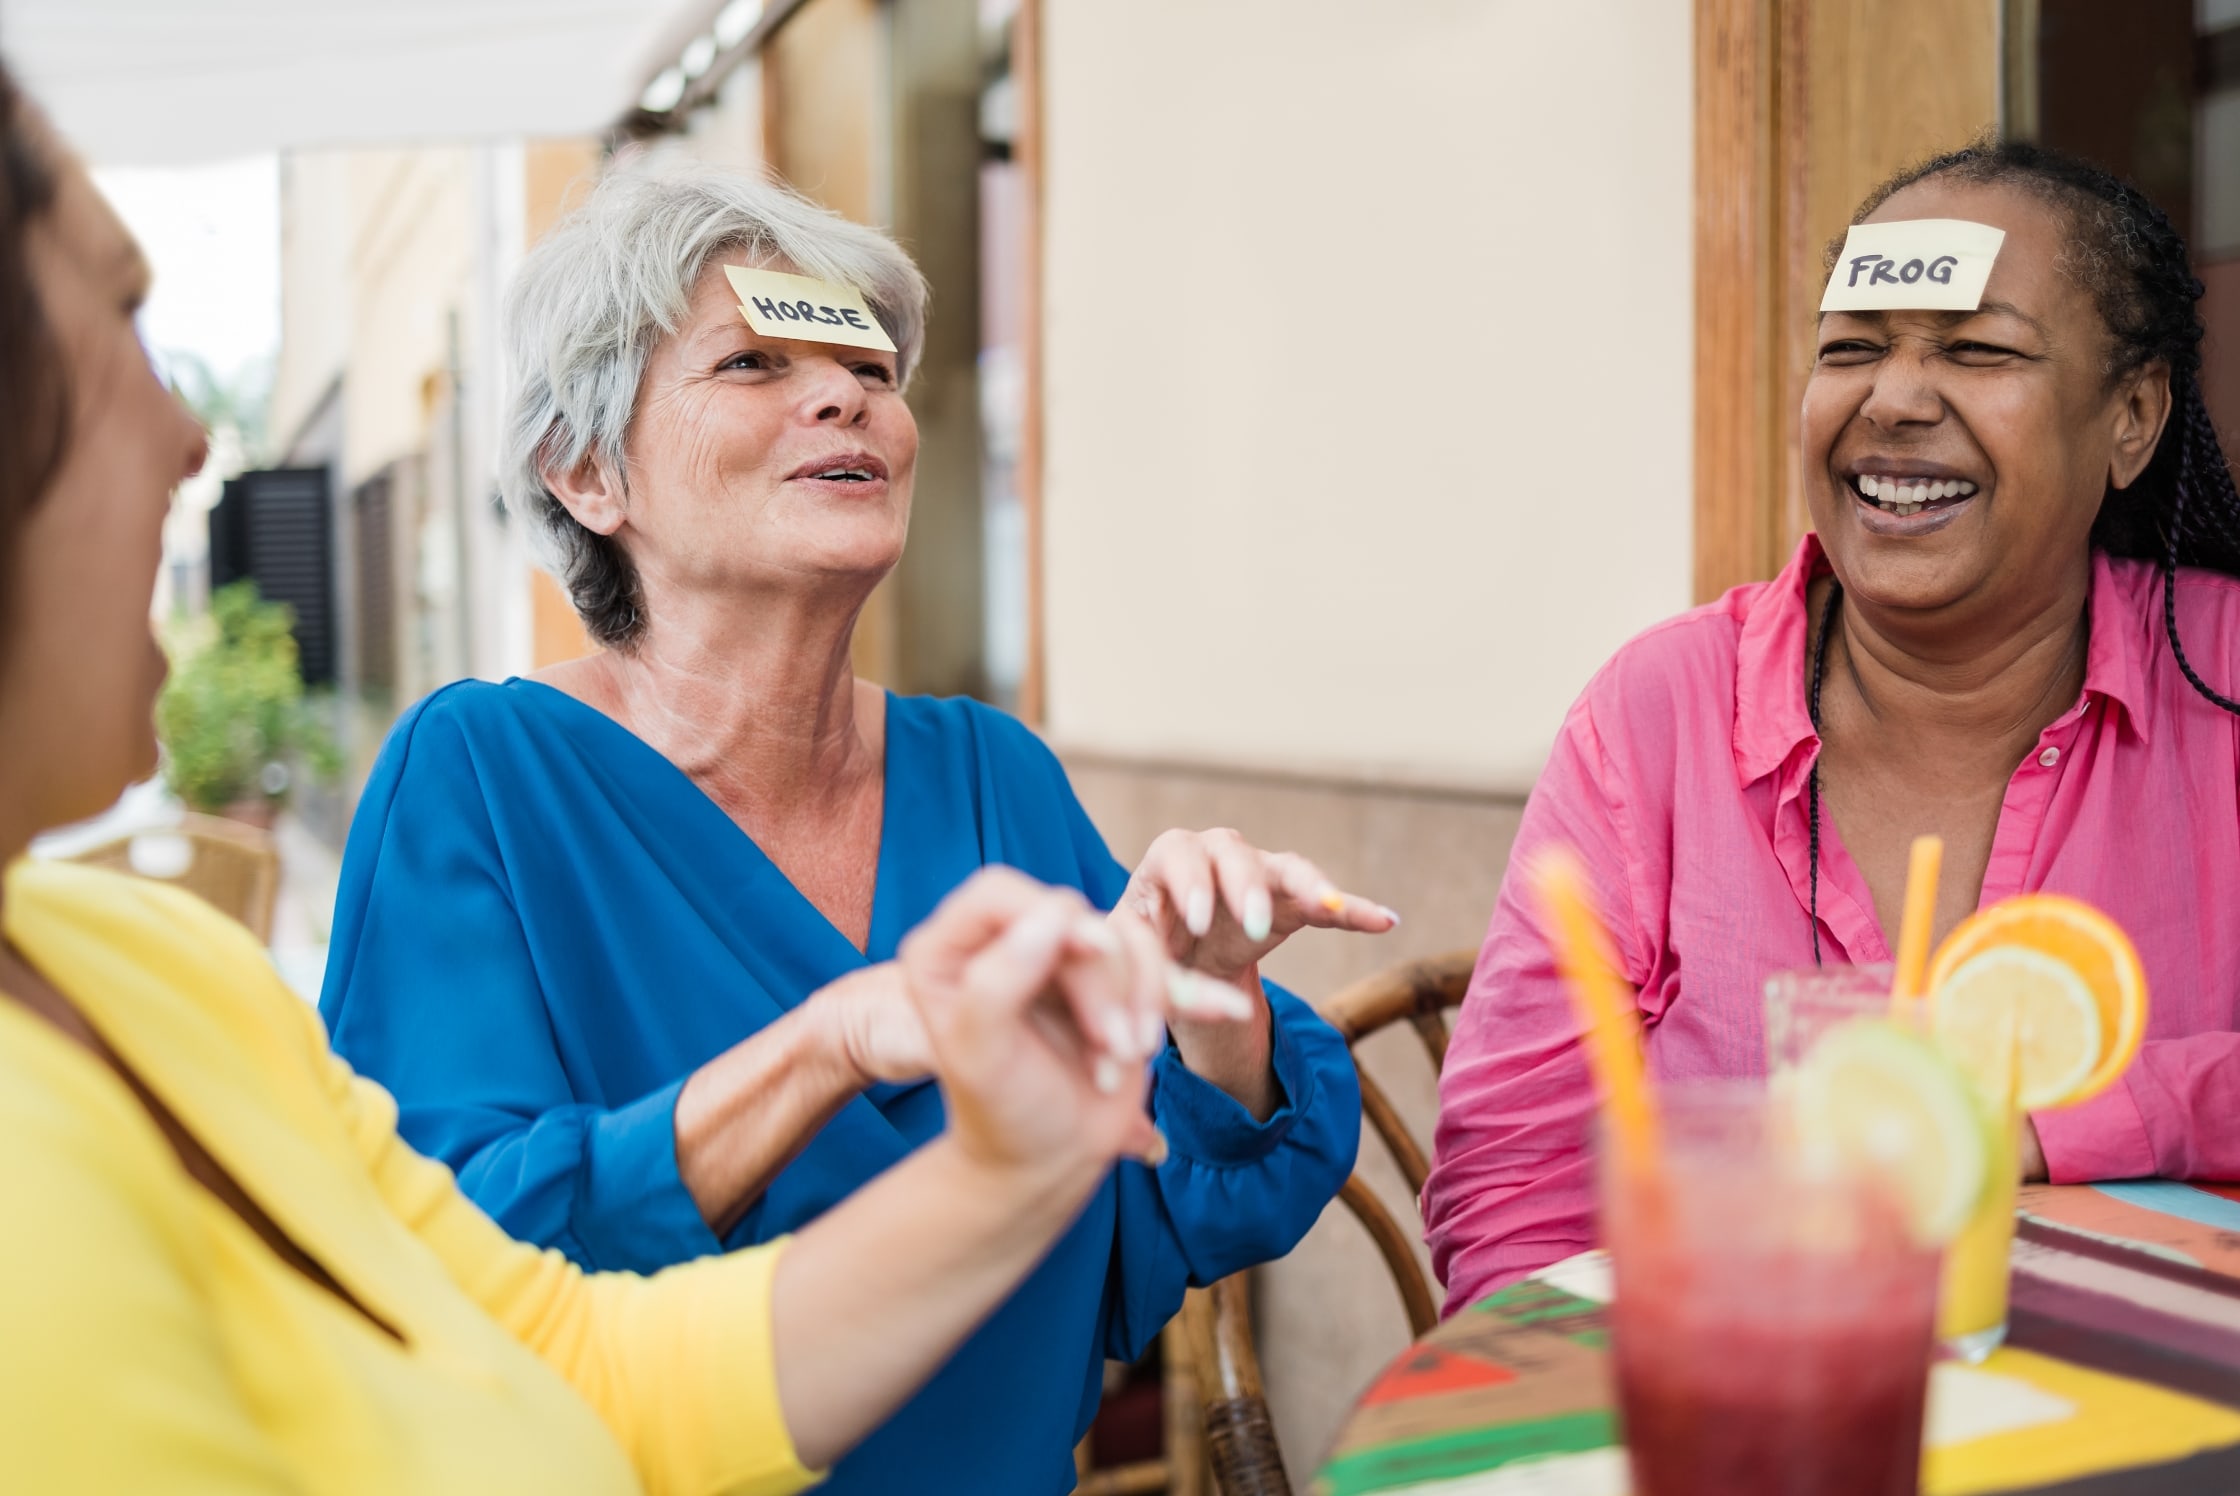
{"points": [[606, 284]]}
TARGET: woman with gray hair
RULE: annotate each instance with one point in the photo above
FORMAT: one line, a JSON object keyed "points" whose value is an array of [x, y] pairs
{"points": [[220, 1271], [619, 936]]}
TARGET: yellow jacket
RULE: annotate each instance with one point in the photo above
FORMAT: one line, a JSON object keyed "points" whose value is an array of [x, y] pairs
{"points": [[150, 1342]]}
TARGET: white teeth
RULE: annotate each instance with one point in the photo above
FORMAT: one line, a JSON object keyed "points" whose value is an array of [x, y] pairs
{"points": [[1911, 495]]}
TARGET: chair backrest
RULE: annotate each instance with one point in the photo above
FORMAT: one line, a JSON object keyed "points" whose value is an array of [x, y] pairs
{"points": [[232, 866], [1239, 1438], [1419, 993]]}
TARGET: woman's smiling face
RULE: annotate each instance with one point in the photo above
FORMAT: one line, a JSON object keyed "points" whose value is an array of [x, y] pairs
{"points": [[757, 461], [1960, 458]]}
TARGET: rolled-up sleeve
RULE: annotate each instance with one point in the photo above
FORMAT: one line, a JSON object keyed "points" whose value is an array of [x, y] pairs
{"points": [[2170, 1115], [1233, 1192]]}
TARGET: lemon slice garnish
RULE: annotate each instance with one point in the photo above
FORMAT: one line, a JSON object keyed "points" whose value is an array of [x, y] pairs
{"points": [[1890, 1103], [2013, 996], [2099, 960]]}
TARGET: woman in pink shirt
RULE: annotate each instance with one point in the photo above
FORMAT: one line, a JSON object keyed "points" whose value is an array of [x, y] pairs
{"points": [[2010, 630]]}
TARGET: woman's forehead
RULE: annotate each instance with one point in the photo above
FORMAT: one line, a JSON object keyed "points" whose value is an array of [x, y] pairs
{"points": [[713, 303], [2003, 205], [96, 239], [712, 274], [2028, 272]]}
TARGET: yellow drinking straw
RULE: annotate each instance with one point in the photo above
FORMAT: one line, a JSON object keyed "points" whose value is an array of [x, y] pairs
{"points": [[1604, 1002], [1917, 923]]}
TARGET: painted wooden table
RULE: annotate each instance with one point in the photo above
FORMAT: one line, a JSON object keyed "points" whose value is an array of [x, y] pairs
{"points": [[2121, 1372]]}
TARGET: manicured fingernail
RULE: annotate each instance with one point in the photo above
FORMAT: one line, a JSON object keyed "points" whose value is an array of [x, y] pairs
{"points": [[1199, 916], [1333, 901], [1391, 914], [1259, 915], [1119, 1038], [1228, 1001], [1191, 992], [1153, 1030], [1182, 991], [1156, 1154], [1094, 932], [1040, 930], [1106, 1073]]}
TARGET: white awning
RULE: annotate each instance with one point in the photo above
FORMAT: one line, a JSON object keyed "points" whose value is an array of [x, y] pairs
{"points": [[154, 82]]}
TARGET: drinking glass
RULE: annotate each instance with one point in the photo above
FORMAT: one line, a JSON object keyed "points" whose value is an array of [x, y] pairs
{"points": [[1773, 1320], [1801, 1007]]}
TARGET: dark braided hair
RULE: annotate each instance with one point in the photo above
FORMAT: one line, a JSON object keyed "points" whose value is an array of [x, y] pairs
{"points": [[2182, 510]]}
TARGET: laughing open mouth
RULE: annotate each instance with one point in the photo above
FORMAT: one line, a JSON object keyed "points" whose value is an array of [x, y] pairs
{"points": [[1904, 496]]}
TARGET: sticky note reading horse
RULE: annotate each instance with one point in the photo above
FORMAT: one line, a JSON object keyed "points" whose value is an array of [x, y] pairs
{"points": [[1931, 264], [779, 305]]}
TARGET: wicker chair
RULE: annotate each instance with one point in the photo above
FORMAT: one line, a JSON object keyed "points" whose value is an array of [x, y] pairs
{"points": [[232, 866], [1181, 1468], [1217, 1322]]}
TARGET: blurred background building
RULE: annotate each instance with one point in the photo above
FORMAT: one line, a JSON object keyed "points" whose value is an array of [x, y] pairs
{"points": [[1317, 392]]}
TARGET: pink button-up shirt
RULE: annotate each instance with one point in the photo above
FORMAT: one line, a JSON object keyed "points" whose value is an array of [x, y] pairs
{"points": [[1680, 780]]}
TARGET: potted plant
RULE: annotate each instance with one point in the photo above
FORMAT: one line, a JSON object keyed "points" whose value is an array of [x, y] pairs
{"points": [[232, 717]]}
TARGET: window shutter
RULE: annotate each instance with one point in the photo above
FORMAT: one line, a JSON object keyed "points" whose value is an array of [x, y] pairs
{"points": [[271, 527]]}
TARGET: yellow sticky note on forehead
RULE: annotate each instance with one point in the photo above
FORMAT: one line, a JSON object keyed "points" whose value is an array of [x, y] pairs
{"points": [[1926, 264], [779, 305]]}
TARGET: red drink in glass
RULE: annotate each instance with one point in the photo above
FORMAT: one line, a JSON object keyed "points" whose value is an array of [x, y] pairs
{"points": [[1773, 1321]]}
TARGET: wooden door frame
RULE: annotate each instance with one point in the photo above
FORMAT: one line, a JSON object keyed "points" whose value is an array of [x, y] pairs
{"points": [[1027, 150], [1749, 183], [1800, 107]]}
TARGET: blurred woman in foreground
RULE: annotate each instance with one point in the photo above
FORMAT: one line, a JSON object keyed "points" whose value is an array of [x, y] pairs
{"points": [[2016, 626], [220, 1270]]}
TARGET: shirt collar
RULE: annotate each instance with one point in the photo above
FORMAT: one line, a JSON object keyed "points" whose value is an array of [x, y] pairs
{"points": [[2117, 654], [1771, 718]]}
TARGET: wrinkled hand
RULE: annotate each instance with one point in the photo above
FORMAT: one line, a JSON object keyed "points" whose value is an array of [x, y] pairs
{"points": [[1220, 904], [875, 1025], [1041, 1018]]}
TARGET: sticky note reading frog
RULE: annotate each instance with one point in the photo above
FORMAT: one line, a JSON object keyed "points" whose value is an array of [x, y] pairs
{"points": [[1932, 264], [779, 305]]}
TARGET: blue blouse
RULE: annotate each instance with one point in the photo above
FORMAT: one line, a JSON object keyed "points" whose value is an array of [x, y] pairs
{"points": [[544, 927]]}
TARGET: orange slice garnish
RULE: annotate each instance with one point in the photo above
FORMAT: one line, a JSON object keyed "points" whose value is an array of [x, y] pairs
{"points": [[2071, 981]]}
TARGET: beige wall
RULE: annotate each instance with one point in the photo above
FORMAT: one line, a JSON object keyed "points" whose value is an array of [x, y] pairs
{"points": [[393, 261], [1397, 529], [410, 263], [377, 248], [1327, 1315], [315, 221], [1328, 569]]}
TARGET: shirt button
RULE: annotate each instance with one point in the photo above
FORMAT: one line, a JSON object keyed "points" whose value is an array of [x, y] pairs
{"points": [[2050, 757]]}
